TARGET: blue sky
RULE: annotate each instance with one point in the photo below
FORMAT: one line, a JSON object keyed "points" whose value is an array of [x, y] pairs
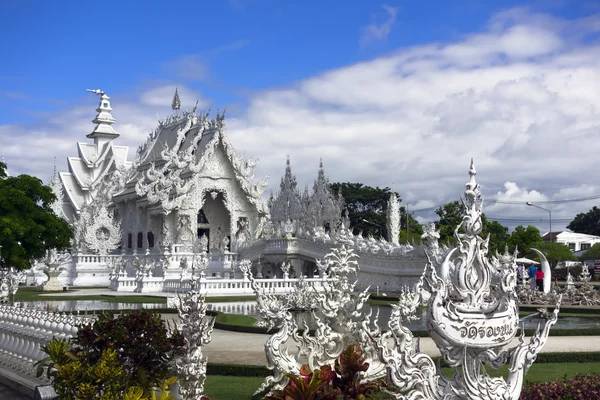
{"points": [[398, 93], [226, 49]]}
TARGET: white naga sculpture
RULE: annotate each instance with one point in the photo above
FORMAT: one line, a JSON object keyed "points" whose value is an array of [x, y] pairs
{"points": [[472, 320], [197, 331]]}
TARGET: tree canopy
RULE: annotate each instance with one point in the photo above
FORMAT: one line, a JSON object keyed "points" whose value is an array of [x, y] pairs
{"points": [[451, 215], [593, 253], [366, 203], [28, 226], [524, 238], [588, 222]]}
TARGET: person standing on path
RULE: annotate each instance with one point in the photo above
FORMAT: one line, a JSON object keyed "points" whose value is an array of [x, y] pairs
{"points": [[532, 270], [539, 279]]}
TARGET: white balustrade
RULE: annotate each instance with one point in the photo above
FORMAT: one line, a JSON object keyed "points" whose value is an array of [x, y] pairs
{"points": [[23, 331]]}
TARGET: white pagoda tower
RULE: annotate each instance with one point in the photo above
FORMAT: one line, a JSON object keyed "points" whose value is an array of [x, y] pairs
{"points": [[94, 162]]}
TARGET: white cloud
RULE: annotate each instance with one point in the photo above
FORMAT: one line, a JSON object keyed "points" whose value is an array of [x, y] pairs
{"points": [[380, 31], [192, 67], [521, 97], [196, 67]]}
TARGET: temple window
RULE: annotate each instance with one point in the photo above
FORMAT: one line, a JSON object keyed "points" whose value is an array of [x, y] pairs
{"points": [[140, 242], [129, 240], [150, 239]]}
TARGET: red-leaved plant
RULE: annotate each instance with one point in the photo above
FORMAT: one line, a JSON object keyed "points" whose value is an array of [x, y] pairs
{"points": [[325, 383], [581, 387]]}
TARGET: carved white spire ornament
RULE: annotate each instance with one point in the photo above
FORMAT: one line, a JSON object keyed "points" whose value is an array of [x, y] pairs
{"points": [[176, 103], [393, 219], [104, 119], [472, 320], [56, 185], [287, 203]]}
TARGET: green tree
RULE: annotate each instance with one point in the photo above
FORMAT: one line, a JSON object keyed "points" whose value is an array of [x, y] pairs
{"points": [[28, 226], [554, 252], [410, 229], [588, 222], [450, 217], [365, 203], [593, 253], [524, 238], [498, 235]]}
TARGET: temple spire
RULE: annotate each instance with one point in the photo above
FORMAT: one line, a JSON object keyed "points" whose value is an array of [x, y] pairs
{"points": [[104, 132], [176, 103]]}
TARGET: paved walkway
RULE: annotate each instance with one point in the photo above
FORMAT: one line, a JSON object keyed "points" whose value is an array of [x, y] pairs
{"points": [[229, 347]]}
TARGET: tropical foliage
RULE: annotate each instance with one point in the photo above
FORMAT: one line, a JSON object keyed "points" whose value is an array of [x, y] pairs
{"points": [[112, 358]]}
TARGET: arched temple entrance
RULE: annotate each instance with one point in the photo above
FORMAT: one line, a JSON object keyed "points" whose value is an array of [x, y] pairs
{"points": [[214, 222]]}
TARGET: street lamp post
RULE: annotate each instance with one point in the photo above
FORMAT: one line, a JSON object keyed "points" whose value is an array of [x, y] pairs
{"points": [[550, 217], [372, 223]]}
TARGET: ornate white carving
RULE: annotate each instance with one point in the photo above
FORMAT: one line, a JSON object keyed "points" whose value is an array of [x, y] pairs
{"points": [[102, 232], [57, 189], [323, 207], [471, 321], [9, 283], [164, 184], [197, 329], [286, 205], [393, 219], [52, 266]]}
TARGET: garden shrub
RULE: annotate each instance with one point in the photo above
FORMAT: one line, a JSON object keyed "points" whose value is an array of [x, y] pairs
{"points": [[343, 381], [111, 356], [581, 387]]}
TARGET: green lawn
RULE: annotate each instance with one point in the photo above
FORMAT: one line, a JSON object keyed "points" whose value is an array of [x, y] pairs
{"points": [[231, 387], [237, 320], [240, 388]]}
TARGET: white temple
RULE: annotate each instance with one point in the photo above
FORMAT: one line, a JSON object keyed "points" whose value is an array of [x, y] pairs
{"points": [[142, 226]]}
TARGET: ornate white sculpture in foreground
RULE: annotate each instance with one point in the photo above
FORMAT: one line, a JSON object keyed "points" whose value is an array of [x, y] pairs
{"points": [[196, 329], [273, 314], [472, 320]]}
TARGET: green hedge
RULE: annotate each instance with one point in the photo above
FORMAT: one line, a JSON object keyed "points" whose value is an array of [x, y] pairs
{"points": [[564, 309]]}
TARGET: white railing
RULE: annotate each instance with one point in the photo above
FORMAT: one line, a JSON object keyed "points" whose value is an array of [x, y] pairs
{"points": [[227, 287], [24, 330]]}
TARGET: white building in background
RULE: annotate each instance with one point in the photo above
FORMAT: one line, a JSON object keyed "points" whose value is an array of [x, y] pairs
{"points": [[140, 226], [575, 241]]}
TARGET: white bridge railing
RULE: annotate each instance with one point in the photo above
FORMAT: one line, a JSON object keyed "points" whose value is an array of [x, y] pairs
{"points": [[24, 330]]}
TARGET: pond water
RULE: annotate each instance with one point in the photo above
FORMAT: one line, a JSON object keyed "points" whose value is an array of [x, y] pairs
{"points": [[84, 305], [249, 308]]}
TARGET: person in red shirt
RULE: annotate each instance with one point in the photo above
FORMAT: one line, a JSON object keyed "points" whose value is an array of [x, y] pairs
{"points": [[539, 279]]}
